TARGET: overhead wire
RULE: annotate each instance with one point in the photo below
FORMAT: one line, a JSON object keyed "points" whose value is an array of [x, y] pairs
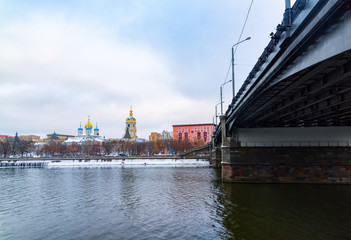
{"points": [[242, 31]]}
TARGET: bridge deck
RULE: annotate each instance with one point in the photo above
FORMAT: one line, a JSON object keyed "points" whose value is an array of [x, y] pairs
{"points": [[303, 77]]}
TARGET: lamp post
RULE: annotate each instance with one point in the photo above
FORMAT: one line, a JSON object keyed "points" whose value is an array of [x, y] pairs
{"points": [[221, 96], [216, 112], [233, 63]]}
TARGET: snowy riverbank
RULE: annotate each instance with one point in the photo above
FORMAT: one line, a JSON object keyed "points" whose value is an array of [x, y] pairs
{"points": [[99, 162]]}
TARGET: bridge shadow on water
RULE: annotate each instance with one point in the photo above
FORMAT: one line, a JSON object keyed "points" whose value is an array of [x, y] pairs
{"points": [[284, 211]]}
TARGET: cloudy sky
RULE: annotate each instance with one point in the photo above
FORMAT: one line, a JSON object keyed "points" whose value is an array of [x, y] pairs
{"points": [[61, 61]]}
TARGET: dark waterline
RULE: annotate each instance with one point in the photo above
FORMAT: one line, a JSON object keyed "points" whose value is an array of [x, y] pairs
{"points": [[165, 203]]}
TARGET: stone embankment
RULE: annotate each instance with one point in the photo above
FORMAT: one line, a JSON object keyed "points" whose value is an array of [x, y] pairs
{"points": [[101, 161]]}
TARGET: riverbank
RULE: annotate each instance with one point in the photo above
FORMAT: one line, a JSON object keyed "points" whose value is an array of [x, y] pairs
{"points": [[58, 162]]}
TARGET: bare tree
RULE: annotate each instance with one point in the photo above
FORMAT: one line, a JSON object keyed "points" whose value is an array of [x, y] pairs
{"points": [[15, 144], [150, 147], [74, 149], [6, 145], [166, 145], [126, 147], [96, 148], [107, 146], [117, 145], [181, 145], [54, 148], [61, 148], [24, 145], [157, 146], [139, 148]]}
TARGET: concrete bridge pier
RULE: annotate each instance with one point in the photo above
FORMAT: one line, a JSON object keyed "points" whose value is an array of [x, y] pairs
{"points": [[216, 157], [228, 146], [308, 155], [288, 165]]}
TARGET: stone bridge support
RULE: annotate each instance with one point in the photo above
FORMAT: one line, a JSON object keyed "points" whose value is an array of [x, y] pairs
{"points": [[228, 146], [288, 165], [216, 157], [311, 161]]}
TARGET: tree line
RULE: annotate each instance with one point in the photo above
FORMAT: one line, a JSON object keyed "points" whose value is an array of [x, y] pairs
{"points": [[21, 147], [15, 146]]}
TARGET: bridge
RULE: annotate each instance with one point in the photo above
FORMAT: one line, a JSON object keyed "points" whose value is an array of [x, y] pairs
{"points": [[200, 152], [294, 108]]}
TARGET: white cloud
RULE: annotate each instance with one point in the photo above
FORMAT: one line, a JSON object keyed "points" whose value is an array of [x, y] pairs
{"points": [[55, 72], [62, 61]]}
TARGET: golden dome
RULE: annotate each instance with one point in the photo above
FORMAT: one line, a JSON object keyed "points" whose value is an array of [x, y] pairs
{"points": [[88, 123]]}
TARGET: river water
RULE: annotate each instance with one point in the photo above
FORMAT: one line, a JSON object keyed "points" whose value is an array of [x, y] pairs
{"points": [[150, 202]]}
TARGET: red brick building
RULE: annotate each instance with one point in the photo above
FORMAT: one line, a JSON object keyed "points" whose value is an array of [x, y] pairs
{"points": [[194, 132]]}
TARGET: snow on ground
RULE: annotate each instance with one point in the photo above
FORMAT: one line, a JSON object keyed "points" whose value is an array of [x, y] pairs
{"points": [[129, 162]]}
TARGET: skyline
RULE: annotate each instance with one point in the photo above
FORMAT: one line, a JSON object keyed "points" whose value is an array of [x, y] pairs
{"points": [[63, 61]]}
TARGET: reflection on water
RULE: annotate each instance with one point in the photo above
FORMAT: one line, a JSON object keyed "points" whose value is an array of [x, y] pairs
{"points": [[165, 203], [285, 211]]}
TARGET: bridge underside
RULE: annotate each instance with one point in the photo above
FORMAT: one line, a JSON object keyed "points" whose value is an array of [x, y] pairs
{"points": [[291, 119], [294, 131], [316, 96]]}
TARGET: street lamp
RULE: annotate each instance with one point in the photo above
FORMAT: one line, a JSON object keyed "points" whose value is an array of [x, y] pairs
{"points": [[221, 96], [233, 63], [216, 112]]}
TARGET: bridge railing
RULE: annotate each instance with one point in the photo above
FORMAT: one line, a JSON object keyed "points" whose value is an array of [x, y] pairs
{"points": [[296, 144]]}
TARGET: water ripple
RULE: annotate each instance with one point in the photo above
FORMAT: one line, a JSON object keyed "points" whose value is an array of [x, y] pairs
{"points": [[164, 203]]}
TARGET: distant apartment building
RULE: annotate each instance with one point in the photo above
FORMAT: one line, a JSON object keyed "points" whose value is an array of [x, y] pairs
{"points": [[32, 138], [154, 136], [194, 132], [167, 135], [56, 136]]}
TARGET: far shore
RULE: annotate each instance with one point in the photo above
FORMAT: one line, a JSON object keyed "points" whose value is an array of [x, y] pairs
{"points": [[97, 157]]}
